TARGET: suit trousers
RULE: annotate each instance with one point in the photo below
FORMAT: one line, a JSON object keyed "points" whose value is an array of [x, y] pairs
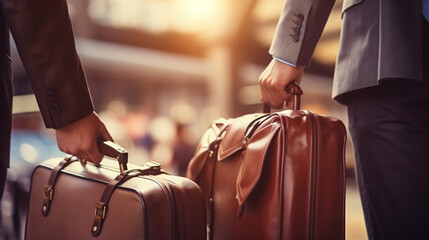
{"points": [[389, 127]]}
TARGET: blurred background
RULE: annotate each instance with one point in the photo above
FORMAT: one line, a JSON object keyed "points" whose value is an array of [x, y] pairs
{"points": [[159, 72]]}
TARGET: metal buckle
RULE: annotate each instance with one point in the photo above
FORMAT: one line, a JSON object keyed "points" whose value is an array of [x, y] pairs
{"points": [[100, 210], [153, 165], [245, 142], [49, 192]]}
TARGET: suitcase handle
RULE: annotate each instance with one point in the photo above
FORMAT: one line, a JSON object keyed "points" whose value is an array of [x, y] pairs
{"points": [[294, 89], [107, 148], [49, 188], [113, 150]]}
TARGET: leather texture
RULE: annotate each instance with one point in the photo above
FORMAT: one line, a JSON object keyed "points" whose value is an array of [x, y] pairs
{"points": [[273, 176], [97, 202]]}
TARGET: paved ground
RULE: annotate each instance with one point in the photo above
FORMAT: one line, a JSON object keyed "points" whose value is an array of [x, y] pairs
{"points": [[355, 224]]}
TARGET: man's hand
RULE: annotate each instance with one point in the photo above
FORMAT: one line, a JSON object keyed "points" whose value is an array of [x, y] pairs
{"points": [[80, 138], [273, 81]]}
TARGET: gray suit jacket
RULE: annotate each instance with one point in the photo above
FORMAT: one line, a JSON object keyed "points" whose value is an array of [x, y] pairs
{"points": [[380, 39]]}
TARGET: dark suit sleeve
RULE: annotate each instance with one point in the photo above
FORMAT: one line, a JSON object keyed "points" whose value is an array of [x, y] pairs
{"points": [[43, 34], [299, 29]]}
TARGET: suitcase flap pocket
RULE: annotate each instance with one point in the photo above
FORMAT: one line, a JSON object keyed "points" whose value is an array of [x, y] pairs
{"points": [[197, 163], [253, 160], [233, 141]]}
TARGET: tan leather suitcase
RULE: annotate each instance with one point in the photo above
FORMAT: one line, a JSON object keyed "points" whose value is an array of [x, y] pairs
{"points": [[73, 200], [273, 176]]}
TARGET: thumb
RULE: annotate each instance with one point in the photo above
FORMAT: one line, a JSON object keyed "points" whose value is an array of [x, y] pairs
{"points": [[105, 135]]}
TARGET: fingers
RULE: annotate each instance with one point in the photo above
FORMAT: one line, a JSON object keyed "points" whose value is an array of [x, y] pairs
{"points": [[89, 152], [91, 149], [272, 92], [85, 150], [80, 138], [81, 155], [94, 155], [273, 81], [105, 134]]}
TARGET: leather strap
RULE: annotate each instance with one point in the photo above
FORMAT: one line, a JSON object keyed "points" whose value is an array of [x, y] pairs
{"points": [[151, 168], [212, 160], [253, 126], [49, 188], [213, 149]]}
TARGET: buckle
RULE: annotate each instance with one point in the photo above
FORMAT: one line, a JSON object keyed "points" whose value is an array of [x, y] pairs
{"points": [[153, 165], [245, 142], [49, 192], [100, 210]]}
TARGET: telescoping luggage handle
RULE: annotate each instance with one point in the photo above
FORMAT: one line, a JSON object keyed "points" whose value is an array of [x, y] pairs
{"points": [[294, 89]]}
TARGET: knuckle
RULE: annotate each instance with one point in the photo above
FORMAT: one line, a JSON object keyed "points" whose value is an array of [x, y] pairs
{"points": [[85, 147], [278, 86], [62, 148], [275, 85]]}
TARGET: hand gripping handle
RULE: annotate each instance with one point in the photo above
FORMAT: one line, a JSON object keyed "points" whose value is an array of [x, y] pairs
{"points": [[113, 150], [294, 89]]}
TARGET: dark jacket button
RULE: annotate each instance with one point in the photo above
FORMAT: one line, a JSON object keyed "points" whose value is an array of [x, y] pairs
{"points": [[300, 17], [295, 37], [298, 23], [296, 30]]}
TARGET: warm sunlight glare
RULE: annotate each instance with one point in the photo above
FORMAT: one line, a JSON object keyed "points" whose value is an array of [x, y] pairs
{"points": [[184, 16], [194, 14]]}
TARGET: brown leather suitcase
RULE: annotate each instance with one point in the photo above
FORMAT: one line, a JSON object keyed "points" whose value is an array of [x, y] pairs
{"points": [[273, 176], [70, 199]]}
